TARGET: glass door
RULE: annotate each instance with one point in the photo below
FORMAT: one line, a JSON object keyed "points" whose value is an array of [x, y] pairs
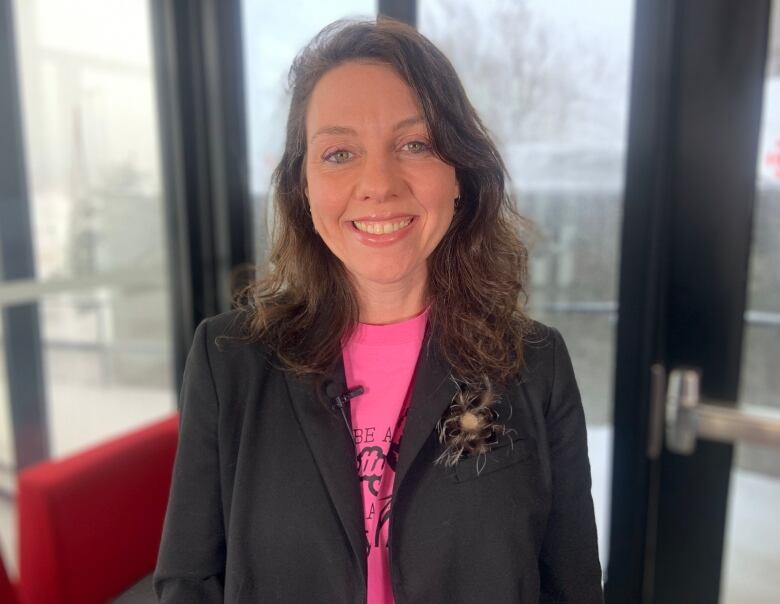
{"points": [[694, 496]]}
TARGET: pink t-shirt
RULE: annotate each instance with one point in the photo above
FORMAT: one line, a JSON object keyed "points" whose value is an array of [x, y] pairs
{"points": [[381, 358]]}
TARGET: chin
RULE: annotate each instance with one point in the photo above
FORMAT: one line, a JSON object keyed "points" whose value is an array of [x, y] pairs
{"points": [[384, 275]]}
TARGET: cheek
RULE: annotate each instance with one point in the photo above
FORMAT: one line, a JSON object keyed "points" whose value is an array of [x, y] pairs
{"points": [[325, 199], [327, 220], [438, 196], [443, 222], [327, 209]]}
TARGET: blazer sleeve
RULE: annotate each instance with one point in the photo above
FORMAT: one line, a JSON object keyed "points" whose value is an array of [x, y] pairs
{"points": [[191, 561], [569, 565]]}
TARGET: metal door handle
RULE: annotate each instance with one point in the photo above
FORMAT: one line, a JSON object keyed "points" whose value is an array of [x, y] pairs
{"points": [[689, 418]]}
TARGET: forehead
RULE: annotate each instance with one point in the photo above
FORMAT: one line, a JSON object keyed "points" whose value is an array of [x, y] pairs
{"points": [[360, 94]]}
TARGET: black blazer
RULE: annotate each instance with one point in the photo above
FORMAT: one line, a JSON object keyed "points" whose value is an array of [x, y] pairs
{"points": [[266, 504]]}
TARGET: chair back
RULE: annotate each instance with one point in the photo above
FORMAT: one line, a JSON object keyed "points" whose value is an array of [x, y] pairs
{"points": [[90, 524]]}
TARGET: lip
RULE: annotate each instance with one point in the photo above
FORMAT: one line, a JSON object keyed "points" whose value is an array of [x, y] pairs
{"points": [[372, 240]]}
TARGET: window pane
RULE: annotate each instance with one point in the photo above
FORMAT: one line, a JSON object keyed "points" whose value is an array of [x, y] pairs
{"points": [[550, 80], [89, 120], [107, 363]]}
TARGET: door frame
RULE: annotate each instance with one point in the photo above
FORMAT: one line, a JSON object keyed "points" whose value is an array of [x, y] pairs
{"points": [[696, 100]]}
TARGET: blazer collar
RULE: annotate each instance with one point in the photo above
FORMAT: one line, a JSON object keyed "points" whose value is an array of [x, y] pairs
{"points": [[334, 450]]}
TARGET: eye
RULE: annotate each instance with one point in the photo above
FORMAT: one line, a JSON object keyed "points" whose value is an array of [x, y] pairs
{"points": [[339, 156], [417, 147]]}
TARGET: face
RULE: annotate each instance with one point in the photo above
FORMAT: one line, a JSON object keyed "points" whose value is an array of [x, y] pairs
{"points": [[380, 198]]}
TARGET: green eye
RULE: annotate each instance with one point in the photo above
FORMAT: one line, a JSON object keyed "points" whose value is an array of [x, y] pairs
{"points": [[417, 146], [338, 157]]}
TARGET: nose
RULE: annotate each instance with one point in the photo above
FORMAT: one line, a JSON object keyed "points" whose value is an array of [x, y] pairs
{"points": [[379, 179]]}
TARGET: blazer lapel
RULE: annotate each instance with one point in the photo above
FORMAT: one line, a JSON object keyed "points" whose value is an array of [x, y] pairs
{"points": [[432, 394], [334, 454], [334, 451]]}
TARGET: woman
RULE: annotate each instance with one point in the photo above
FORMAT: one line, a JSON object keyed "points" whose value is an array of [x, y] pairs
{"points": [[380, 421]]}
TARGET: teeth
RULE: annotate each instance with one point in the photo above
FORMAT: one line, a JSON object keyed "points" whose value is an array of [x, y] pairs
{"points": [[380, 228]]}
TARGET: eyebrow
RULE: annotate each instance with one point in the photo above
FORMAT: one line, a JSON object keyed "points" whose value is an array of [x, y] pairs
{"points": [[336, 130]]}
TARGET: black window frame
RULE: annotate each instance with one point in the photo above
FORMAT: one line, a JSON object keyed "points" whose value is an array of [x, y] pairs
{"points": [[24, 364]]}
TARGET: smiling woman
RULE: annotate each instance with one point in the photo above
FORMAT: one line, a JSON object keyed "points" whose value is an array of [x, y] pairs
{"points": [[393, 304], [380, 198]]}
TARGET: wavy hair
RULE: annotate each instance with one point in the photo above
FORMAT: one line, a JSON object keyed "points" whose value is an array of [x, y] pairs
{"points": [[304, 304]]}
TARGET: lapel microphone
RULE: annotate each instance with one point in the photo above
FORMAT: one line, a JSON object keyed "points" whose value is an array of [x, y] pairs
{"points": [[340, 399]]}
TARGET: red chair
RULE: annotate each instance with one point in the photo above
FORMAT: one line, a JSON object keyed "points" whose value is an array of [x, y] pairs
{"points": [[90, 524], [7, 590]]}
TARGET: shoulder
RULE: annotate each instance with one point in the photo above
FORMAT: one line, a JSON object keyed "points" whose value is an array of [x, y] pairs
{"points": [[233, 326], [230, 324], [227, 338], [226, 359], [546, 360], [541, 343]]}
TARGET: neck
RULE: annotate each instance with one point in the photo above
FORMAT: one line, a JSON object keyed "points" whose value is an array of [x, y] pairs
{"points": [[384, 303]]}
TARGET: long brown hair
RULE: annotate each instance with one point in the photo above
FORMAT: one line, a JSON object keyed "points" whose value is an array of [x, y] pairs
{"points": [[304, 305]]}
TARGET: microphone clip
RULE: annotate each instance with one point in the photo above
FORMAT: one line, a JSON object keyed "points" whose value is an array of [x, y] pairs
{"points": [[339, 400], [345, 397]]}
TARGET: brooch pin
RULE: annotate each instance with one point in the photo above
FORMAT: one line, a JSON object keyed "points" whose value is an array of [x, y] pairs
{"points": [[470, 425]]}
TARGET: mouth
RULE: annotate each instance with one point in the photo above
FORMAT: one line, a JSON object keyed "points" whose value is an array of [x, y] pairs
{"points": [[382, 233], [384, 227]]}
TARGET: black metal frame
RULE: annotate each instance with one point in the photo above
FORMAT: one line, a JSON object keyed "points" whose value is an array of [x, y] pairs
{"points": [[696, 107], [21, 325], [643, 268], [198, 50]]}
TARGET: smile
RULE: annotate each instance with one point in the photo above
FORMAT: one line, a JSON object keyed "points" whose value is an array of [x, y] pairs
{"points": [[381, 228]]}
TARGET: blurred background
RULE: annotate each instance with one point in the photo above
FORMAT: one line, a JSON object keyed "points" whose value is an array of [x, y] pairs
{"points": [[138, 140]]}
